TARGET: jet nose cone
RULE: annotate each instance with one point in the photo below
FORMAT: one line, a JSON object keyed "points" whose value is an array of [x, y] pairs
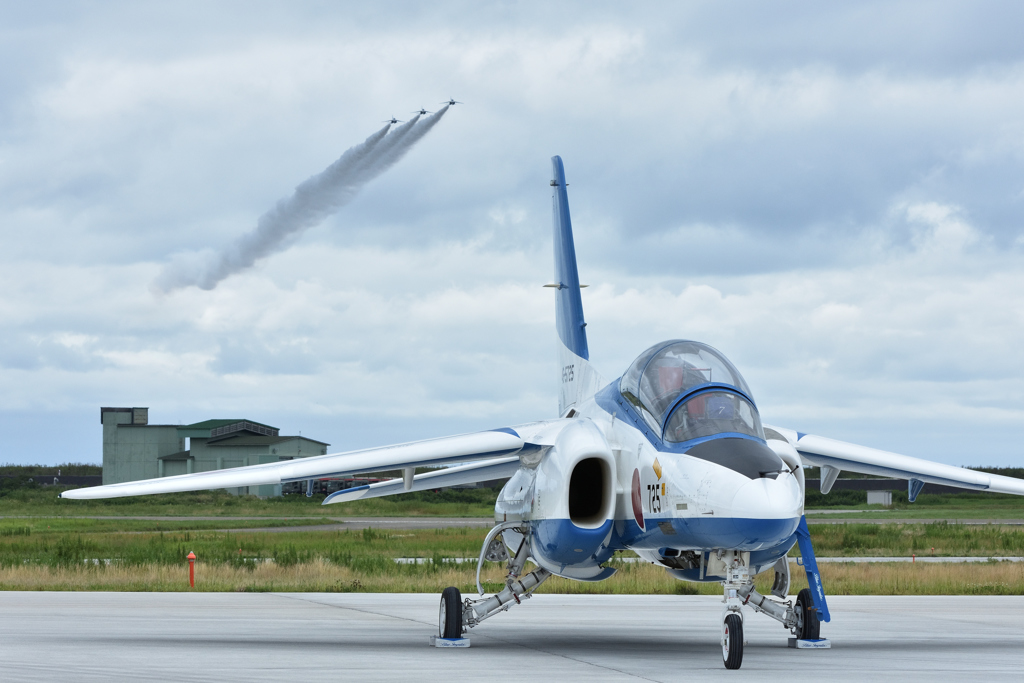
{"points": [[771, 506], [769, 498]]}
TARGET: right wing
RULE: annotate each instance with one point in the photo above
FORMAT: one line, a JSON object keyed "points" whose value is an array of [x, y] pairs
{"points": [[499, 443]]}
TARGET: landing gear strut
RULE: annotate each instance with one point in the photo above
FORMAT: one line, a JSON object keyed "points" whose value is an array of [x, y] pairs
{"points": [[801, 618], [517, 588]]}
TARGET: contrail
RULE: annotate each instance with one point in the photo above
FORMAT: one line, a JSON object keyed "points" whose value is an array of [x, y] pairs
{"points": [[313, 201]]}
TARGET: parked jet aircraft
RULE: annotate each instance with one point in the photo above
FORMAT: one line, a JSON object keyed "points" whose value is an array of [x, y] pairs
{"points": [[669, 460]]}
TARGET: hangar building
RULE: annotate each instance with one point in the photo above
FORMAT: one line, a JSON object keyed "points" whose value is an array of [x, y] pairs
{"points": [[133, 449]]}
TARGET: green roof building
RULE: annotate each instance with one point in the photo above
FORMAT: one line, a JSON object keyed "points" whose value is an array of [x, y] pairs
{"points": [[133, 449]]}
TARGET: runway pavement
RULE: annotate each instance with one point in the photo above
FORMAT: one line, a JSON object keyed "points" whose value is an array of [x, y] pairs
{"points": [[274, 637]]}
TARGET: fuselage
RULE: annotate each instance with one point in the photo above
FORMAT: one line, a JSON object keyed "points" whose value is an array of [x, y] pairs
{"points": [[693, 472]]}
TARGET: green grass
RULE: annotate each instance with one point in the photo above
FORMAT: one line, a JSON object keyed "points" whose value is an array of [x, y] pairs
{"points": [[67, 468], [927, 506], [12, 526], [967, 501], [447, 503], [889, 540], [332, 561], [366, 550], [43, 501]]}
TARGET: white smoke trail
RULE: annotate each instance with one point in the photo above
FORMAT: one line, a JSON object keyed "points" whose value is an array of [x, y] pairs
{"points": [[312, 202]]}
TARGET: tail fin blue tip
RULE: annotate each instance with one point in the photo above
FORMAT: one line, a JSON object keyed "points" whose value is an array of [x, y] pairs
{"points": [[569, 304]]}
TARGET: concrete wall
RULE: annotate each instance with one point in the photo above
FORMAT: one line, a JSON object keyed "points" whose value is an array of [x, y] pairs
{"points": [[130, 451], [208, 457]]}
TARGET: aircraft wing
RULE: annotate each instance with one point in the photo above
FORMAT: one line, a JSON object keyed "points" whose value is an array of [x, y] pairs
{"points": [[498, 468], [840, 455], [498, 443]]}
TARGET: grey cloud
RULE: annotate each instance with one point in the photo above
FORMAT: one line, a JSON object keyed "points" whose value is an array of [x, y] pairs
{"points": [[736, 174]]}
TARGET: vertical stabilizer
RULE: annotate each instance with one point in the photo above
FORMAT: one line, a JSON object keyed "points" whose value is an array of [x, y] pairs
{"points": [[578, 380], [569, 305]]}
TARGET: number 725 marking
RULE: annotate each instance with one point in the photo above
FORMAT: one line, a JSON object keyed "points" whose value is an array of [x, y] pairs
{"points": [[654, 497]]}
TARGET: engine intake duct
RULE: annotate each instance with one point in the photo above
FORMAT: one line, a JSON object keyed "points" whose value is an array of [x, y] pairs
{"points": [[590, 493]]}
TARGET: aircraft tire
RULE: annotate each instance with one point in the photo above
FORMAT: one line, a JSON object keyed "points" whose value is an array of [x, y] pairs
{"points": [[732, 641], [449, 621], [810, 627]]}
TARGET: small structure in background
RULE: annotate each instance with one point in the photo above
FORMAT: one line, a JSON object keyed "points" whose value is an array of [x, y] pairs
{"points": [[133, 449], [880, 498]]}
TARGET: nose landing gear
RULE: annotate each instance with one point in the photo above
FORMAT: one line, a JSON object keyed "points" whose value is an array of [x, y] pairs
{"points": [[732, 641], [801, 618]]}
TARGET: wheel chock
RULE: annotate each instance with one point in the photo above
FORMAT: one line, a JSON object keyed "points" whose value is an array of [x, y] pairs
{"points": [[435, 641], [819, 644]]}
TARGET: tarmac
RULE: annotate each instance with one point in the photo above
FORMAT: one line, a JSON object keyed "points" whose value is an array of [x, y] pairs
{"points": [[278, 636]]}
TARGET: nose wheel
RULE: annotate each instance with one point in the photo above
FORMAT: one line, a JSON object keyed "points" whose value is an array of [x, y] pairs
{"points": [[449, 618], [732, 641]]}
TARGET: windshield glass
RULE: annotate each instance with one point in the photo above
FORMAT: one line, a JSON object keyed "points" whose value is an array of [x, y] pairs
{"points": [[665, 371], [710, 413]]}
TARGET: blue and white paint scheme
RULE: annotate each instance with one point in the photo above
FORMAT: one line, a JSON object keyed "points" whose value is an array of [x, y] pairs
{"points": [[670, 460]]}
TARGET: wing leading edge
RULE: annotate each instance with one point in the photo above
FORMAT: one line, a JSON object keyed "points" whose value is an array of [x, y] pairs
{"points": [[498, 443], [840, 455], [498, 468]]}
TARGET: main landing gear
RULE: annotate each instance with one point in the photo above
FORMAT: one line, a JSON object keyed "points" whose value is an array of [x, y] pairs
{"points": [[457, 616]]}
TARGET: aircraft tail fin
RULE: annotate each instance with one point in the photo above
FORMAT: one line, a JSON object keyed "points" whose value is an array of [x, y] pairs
{"points": [[579, 380]]}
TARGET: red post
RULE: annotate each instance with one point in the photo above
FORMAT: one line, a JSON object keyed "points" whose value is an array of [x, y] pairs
{"points": [[192, 569], [913, 558]]}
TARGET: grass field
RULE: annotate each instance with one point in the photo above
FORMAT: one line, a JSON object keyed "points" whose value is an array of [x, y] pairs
{"points": [[87, 558], [56, 525], [322, 576], [47, 544], [449, 503]]}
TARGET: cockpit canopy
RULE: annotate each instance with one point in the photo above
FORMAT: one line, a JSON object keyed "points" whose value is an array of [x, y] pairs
{"points": [[671, 369]]}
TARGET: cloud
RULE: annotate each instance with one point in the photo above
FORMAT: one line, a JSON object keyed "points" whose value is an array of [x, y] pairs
{"points": [[833, 201]]}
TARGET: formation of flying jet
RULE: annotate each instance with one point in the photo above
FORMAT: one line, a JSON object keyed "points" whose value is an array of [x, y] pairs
{"points": [[392, 121], [669, 460], [422, 112], [451, 102]]}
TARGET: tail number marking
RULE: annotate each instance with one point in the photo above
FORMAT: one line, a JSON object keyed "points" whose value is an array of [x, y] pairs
{"points": [[568, 373]]}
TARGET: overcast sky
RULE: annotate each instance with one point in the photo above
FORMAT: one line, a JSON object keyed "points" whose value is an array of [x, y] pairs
{"points": [[832, 195]]}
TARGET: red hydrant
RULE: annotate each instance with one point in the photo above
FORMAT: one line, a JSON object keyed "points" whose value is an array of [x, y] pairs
{"points": [[192, 569]]}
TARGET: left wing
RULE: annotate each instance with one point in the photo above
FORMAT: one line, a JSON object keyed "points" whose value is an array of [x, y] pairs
{"points": [[833, 456], [499, 468], [498, 443]]}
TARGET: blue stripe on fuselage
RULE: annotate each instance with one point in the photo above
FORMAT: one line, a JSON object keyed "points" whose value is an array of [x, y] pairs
{"points": [[734, 533], [562, 542]]}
